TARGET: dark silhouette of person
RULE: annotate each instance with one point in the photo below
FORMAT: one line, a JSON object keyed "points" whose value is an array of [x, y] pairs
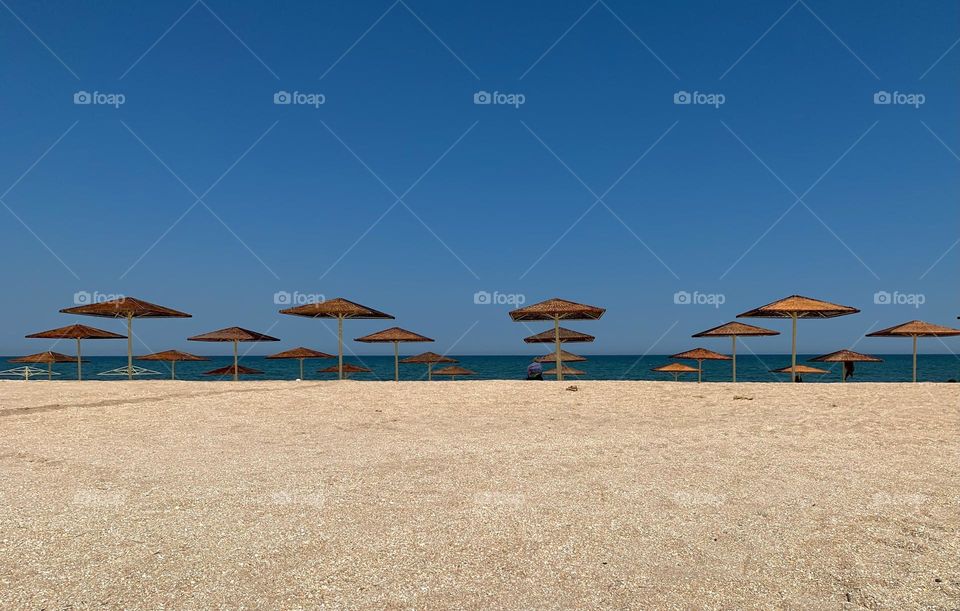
{"points": [[535, 371], [847, 369]]}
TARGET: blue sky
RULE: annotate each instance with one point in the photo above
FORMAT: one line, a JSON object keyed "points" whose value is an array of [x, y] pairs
{"points": [[399, 192]]}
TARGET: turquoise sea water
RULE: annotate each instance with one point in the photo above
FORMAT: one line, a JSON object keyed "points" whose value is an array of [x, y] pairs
{"points": [[750, 368]]}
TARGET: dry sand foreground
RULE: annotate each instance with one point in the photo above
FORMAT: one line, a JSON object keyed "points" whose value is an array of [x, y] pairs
{"points": [[479, 495]]}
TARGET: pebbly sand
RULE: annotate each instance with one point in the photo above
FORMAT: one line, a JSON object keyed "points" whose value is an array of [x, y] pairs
{"points": [[479, 495]]}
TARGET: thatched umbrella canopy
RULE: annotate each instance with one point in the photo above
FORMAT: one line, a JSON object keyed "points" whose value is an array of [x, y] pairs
{"points": [[128, 308], [795, 307], [557, 309], [235, 335], [172, 356], [453, 371], [76, 332], [843, 357], [430, 359], [700, 355], [566, 335], [796, 370], [567, 371], [301, 354], [46, 357], [340, 309], [676, 369], [233, 370], [915, 329], [732, 330], [394, 335], [343, 370], [566, 357]]}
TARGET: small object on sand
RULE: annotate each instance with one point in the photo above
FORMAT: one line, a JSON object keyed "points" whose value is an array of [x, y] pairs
{"points": [[742, 398], [573, 388]]}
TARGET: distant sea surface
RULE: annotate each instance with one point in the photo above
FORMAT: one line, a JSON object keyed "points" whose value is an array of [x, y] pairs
{"points": [[750, 368]]}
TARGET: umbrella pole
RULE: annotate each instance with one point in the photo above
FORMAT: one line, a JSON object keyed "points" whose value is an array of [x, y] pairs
{"points": [[79, 366], [556, 339], [130, 346], [301, 369], [340, 347], [236, 362], [429, 372], [793, 350], [699, 371], [173, 370], [676, 377], [914, 358], [50, 371], [396, 361], [734, 357]]}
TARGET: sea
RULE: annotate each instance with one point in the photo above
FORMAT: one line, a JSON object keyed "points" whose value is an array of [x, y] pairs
{"points": [[750, 368]]}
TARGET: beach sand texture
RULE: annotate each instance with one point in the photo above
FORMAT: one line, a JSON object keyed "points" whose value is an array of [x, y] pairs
{"points": [[479, 495]]}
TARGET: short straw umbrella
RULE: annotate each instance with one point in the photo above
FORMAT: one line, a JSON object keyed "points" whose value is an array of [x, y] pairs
{"points": [[796, 370], [76, 332], [128, 308], [795, 307], [453, 371], [700, 355], [567, 371], [732, 330], [301, 354], [46, 357], [430, 359], [566, 357], [676, 369], [172, 356], [234, 370], [393, 335], [340, 309], [843, 357], [343, 370], [566, 335], [556, 310], [235, 335], [915, 329]]}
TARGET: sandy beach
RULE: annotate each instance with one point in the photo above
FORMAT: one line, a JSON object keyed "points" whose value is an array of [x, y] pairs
{"points": [[479, 495]]}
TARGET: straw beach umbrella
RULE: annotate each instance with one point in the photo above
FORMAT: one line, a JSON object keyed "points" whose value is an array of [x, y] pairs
{"points": [[343, 370], [700, 355], [676, 369], [128, 308], [557, 309], [393, 335], [46, 357], [566, 335], [795, 307], [340, 309], [453, 371], [430, 359], [172, 356], [797, 370], [301, 354], [233, 370], [567, 371], [235, 335], [566, 357], [915, 329], [732, 330], [77, 332], [843, 357]]}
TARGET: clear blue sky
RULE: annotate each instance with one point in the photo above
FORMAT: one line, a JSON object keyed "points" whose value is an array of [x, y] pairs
{"points": [[292, 194]]}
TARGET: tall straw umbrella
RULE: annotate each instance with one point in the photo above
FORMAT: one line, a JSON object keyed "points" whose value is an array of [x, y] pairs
{"points": [[566, 357], [567, 371], [795, 370], [430, 359], [843, 357], [393, 335], [235, 370], [733, 330], [453, 371], [557, 309], [46, 357], [235, 335], [566, 335], [700, 355], [172, 356], [340, 309], [128, 308], [343, 370], [301, 354], [676, 369], [915, 329], [795, 307], [76, 332]]}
